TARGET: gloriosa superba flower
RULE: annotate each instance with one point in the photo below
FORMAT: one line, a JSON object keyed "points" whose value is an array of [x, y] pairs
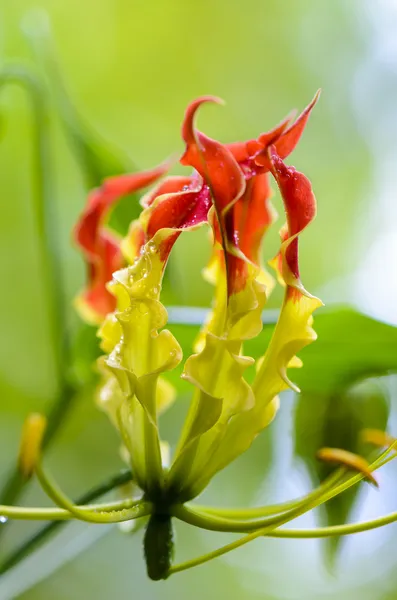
{"points": [[228, 190]]}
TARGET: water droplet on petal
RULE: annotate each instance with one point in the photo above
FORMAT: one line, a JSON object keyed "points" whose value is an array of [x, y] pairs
{"points": [[151, 246]]}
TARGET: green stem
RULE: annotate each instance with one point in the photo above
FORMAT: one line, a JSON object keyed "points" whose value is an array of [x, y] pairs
{"points": [[325, 492], [252, 513], [140, 509], [185, 453], [44, 209], [34, 514], [154, 476], [336, 530], [15, 482], [38, 538], [28, 513], [48, 246], [316, 500], [215, 523]]}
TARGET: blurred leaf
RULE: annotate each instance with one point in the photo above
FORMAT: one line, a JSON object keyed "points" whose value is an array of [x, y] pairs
{"points": [[336, 420]]}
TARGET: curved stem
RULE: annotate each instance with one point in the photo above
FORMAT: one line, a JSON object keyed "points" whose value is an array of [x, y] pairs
{"points": [[336, 530], [35, 514], [215, 523], [140, 509], [315, 501], [325, 492], [38, 538], [212, 521], [26, 513], [252, 513], [49, 250], [44, 205]]}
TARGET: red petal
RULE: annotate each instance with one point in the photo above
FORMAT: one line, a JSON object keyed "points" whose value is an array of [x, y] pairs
{"points": [[253, 215], [287, 142], [101, 199], [122, 185], [212, 160], [86, 229], [96, 297], [299, 202], [180, 210], [101, 249], [270, 137], [242, 151], [168, 186], [188, 122]]}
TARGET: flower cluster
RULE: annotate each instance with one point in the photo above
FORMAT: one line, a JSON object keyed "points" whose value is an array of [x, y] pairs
{"points": [[228, 189]]}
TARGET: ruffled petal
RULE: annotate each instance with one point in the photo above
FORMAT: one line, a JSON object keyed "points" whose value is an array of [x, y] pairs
{"points": [[101, 248], [213, 161], [288, 139], [292, 332], [95, 302], [140, 350], [300, 208]]}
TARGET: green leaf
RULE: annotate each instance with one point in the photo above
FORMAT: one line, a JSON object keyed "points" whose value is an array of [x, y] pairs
{"points": [[335, 420]]}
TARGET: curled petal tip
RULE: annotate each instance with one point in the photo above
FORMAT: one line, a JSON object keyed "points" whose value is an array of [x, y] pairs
{"points": [[208, 98], [312, 104], [188, 122]]}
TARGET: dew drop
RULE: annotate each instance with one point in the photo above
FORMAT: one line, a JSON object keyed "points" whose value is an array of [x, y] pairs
{"points": [[3, 519], [151, 246]]}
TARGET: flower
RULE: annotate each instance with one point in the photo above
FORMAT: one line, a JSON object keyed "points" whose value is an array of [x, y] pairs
{"points": [[228, 190], [237, 176]]}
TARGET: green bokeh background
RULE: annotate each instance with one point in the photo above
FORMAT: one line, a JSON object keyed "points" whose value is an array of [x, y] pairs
{"points": [[131, 68]]}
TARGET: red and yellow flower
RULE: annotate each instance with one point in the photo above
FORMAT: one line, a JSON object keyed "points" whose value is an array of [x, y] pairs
{"points": [[229, 191]]}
